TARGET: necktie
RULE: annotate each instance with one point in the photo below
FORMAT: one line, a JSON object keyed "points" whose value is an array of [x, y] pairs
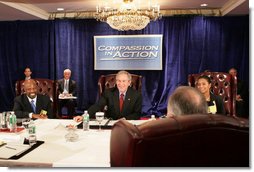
{"points": [[33, 106], [66, 85], [121, 102]]}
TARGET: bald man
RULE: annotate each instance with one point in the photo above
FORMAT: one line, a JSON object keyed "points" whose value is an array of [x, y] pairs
{"points": [[31, 104], [186, 100]]}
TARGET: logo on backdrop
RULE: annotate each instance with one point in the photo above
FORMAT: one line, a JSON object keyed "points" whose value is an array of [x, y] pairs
{"points": [[128, 52]]}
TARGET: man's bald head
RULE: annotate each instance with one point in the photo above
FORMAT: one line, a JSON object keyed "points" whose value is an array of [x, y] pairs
{"points": [[186, 100], [30, 88]]}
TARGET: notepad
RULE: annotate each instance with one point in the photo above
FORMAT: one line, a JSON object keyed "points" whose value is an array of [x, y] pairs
{"points": [[66, 97], [9, 150], [212, 109], [2, 143]]}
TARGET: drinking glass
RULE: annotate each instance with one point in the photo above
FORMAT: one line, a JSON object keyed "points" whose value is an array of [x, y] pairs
{"points": [[99, 117], [1, 120], [71, 136], [25, 122], [7, 119]]}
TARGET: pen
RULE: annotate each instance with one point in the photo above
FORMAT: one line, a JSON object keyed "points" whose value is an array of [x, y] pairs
{"points": [[10, 148], [107, 121], [2, 144]]}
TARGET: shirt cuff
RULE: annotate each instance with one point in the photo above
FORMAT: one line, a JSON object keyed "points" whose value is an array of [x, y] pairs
{"points": [[30, 115]]}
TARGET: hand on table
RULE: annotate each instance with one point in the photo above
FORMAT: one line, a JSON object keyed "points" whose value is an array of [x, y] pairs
{"points": [[39, 116], [78, 118]]}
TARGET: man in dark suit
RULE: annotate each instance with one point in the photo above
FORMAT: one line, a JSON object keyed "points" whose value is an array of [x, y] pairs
{"points": [[31, 104], [241, 97], [67, 88], [121, 101], [27, 73]]}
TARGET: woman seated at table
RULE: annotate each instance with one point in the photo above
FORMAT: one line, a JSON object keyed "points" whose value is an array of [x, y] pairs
{"points": [[214, 102]]}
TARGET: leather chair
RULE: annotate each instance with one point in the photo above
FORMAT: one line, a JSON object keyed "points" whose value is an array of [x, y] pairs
{"points": [[45, 87], [63, 113], [109, 81], [197, 140], [223, 84]]}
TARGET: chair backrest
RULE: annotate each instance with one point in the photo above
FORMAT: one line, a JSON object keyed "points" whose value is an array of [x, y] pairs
{"points": [[198, 140], [109, 81], [45, 87], [223, 84]]}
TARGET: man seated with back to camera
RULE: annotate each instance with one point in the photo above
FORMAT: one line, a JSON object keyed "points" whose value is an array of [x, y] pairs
{"points": [[31, 104], [132, 100], [186, 100]]}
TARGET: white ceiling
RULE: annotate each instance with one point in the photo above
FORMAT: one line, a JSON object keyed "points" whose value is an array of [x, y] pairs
{"points": [[41, 9]]}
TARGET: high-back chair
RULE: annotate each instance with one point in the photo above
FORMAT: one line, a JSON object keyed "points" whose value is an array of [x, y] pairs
{"points": [[196, 140], [223, 84], [45, 87], [109, 81]]}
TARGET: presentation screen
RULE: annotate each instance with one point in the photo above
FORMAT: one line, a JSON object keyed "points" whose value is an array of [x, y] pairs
{"points": [[128, 52]]}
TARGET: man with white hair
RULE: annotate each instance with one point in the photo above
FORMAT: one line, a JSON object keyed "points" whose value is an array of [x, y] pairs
{"points": [[66, 87], [186, 100]]}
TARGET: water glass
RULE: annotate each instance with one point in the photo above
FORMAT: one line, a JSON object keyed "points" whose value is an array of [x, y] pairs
{"points": [[71, 136], [1, 120], [99, 117], [25, 122]]}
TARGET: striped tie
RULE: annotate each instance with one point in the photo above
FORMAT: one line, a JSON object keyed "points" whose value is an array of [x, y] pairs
{"points": [[33, 106]]}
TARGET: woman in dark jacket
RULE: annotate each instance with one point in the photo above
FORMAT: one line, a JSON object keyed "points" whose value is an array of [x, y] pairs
{"points": [[214, 102]]}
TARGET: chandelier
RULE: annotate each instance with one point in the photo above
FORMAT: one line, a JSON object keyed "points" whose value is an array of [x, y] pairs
{"points": [[128, 15]]}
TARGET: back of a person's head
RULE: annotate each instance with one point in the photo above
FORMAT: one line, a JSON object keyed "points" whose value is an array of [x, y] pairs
{"points": [[186, 100]]}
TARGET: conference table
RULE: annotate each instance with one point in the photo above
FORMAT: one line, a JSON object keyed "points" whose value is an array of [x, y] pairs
{"points": [[92, 148]]}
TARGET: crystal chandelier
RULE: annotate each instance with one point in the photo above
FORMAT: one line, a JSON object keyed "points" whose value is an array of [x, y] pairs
{"points": [[127, 15]]}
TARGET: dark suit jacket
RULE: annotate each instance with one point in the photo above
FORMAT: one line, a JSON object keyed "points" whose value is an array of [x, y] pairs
{"points": [[22, 106], [72, 86], [241, 90], [131, 107], [219, 104]]}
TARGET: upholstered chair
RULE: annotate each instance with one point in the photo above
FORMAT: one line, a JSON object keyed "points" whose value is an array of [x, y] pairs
{"points": [[109, 81], [223, 84], [45, 87], [196, 140]]}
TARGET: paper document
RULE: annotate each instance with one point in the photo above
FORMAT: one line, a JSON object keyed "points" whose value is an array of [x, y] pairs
{"points": [[96, 123], [62, 96], [9, 150], [134, 122]]}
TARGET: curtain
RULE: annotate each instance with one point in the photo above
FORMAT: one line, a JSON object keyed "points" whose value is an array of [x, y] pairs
{"points": [[191, 44]]}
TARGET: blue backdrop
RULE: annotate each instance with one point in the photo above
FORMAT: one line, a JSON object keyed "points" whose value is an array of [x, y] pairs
{"points": [[191, 44]]}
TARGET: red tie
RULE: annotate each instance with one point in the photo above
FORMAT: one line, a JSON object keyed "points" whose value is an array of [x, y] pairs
{"points": [[121, 102]]}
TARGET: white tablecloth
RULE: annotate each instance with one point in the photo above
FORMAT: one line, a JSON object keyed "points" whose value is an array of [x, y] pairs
{"points": [[92, 149]]}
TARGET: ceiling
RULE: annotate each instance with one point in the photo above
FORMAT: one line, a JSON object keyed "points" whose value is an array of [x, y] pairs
{"points": [[47, 9]]}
